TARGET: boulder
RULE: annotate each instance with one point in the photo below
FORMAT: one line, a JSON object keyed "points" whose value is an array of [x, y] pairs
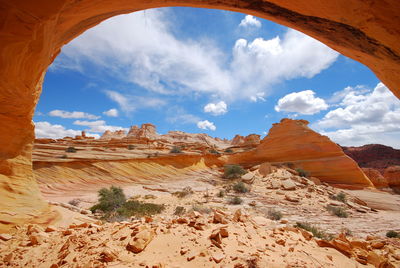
{"points": [[288, 184], [140, 241], [292, 198]]}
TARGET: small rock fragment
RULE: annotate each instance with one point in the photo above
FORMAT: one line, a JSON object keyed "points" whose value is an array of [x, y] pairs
{"points": [[5, 237]]}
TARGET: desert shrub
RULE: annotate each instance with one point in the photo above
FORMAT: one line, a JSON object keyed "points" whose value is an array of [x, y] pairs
{"points": [[233, 171], [392, 234], [176, 150], [228, 150], [240, 188], [347, 232], [131, 147], [74, 202], [179, 211], [64, 156], [213, 151], [302, 172], [185, 192], [109, 199], [71, 149], [235, 200], [275, 215], [338, 211], [314, 230], [201, 209], [221, 193], [137, 208], [112, 202], [339, 197]]}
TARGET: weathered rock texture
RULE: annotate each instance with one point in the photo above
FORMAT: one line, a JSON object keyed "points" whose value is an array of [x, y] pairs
{"points": [[376, 156], [379, 162], [292, 142], [33, 32]]}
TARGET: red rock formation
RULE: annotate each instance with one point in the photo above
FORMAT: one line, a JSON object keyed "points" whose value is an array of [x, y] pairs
{"points": [[108, 135], [374, 156], [251, 140], [392, 175], [237, 140], [292, 141], [379, 163], [376, 177], [33, 32], [146, 131]]}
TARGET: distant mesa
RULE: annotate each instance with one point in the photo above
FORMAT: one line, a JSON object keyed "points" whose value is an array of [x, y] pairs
{"points": [[379, 162]]}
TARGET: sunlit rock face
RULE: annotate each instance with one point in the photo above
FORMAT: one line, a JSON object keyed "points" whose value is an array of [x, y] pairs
{"points": [[392, 175], [33, 32], [293, 142]]}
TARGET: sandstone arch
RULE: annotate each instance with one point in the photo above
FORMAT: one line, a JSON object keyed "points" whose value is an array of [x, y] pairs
{"points": [[32, 33]]}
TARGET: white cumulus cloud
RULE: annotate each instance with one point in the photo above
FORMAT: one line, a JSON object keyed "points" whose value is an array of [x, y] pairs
{"points": [[111, 113], [74, 115], [152, 56], [54, 131], [98, 126], [206, 125], [364, 118], [249, 20], [303, 102], [218, 108]]}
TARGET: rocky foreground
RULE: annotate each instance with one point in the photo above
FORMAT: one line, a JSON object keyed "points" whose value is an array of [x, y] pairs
{"points": [[211, 231], [221, 239]]}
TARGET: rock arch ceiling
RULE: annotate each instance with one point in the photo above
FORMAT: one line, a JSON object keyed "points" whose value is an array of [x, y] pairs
{"points": [[33, 32]]}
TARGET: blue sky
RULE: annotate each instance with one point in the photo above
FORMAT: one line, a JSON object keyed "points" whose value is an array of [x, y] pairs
{"points": [[210, 71]]}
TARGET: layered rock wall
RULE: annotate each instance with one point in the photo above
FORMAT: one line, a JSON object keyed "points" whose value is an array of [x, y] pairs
{"points": [[292, 141]]}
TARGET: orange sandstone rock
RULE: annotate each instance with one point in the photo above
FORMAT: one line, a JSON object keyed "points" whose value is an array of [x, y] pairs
{"points": [[294, 142], [376, 177]]}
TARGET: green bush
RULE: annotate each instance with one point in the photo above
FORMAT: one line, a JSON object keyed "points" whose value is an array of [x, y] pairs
{"points": [[302, 172], [221, 193], [274, 214], [393, 234], [185, 192], [240, 188], [233, 171], [228, 150], [71, 149], [213, 151], [74, 202], [131, 147], [176, 150], [236, 200], [112, 202], [338, 211], [314, 230], [179, 211], [109, 199], [137, 208], [339, 197], [202, 209]]}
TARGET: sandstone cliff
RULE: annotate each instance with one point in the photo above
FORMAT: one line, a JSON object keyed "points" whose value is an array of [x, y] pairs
{"points": [[376, 156], [379, 162], [292, 141]]}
